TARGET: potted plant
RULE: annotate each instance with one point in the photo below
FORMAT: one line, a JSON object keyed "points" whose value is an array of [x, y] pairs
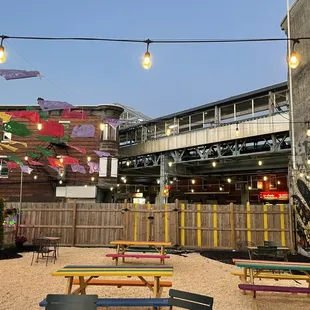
{"points": [[20, 240]]}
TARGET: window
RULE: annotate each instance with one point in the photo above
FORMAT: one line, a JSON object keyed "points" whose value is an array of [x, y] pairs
{"points": [[114, 167], [228, 114], [66, 125], [209, 118], [244, 110], [197, 121], [183, 124], [108, 133], [261, 106], [4, 170], [103, 167], [6, 136]]}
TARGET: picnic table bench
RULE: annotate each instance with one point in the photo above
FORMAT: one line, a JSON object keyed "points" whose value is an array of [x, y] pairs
{"points": [[253, 269], [123, 245], [85, 276]]}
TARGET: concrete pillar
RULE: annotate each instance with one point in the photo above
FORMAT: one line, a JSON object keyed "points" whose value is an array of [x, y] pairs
{"points": [[300, 90]]}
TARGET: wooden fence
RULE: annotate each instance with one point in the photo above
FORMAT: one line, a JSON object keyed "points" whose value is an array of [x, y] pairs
{"points": [[191, 226]]}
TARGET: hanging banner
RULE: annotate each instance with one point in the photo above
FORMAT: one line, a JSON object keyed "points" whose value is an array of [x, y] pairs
{"points": [[93, 167], [46, 105], [26, 169], [77, 114], [52, 128], [5, 117], [11, 164], [34, 163], [84, 131], [8, 147], [112, 122], [15, 159], [11, 74], [274, 195], [54, 162], [44, 152], [67, 160], [78, 168], [79, 149], [102, 154], [17, 129], [16, 142], [43, 115], [48, 139], [31, 116]]}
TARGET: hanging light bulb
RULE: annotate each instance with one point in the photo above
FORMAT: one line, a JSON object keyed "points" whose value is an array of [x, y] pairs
{"points": [[168, 132], [26, 158], [214, 164], [147, 59], [250, 187], [138, 190], [192, 190], [294, 58], [39, 126], [102, 126], [111, 189], [2, 52], [85, 185], [170, 164], [193, 181], [60, 181], [301, 174], [117, 185], [279, 182], [158, 181], [237, 131], [171, 182], [221, 188], [229, 180], [127, 163], [88, 158], [265, 178], [61, 160], [35, 177], [92, 179], [260, 162]]}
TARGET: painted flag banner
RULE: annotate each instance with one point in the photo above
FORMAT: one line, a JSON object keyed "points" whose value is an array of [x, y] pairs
{"points": [[10, 74], [8, 147], [113, 122], [79, 149], [16, 142], [5, 117], [84, 131], [17, 129], [52, 128], [67, 160], [78, 168], [48, 105], [26, 169], [54, 162], [34, 163], [55, 168], [43, 115], [32, 116], [11, 164], [102, 154], [93, 167], [78, 114], [44, 151]]}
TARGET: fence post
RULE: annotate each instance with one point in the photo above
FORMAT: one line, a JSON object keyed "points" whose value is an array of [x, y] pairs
{"points": [[282, 225], [248, 222], [266, 234], [148, 225], [177, 231], [232, 227], [182, 224], [73, 223], [135, 228], [215, 233], [198, 220], [166, 223]]}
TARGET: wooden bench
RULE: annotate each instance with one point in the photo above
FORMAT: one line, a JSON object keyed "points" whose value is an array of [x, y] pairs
{"points": [[156, 303], [123, 256], [275, 276], [120, 283]]}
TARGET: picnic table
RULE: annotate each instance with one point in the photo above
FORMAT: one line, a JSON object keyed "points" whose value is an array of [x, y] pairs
{"points": [[85, 276], [279, 252], [123, 245]]}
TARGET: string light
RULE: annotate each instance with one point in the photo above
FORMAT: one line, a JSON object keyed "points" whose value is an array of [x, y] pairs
{"points": [[35, 177], [294, 58], [117, 185], [61, 160], [26, 158], [171, 182], [2, 51], [265, 178], [168, 132], [308, 129], [221, 188], [60, 181], [127, 163], [138, 190], [229, 180], [85, 185], [260, 162], [250, 187], [170, 164], [192, 190], [92, 179], [88, 158], [214, 163], [147, 59], [279, 182], [39, 126], [193, 181], [158, 181], [111, 189]]}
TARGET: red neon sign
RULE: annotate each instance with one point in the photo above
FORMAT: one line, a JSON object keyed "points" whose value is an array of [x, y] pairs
{"points": [[274, 195]]}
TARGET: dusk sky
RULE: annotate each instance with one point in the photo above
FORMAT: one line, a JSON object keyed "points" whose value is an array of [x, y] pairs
{"points": [[181, 77]]}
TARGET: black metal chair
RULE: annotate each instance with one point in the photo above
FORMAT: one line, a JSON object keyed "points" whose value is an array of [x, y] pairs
{"points": [[71, 302], [267, 252], [44, 248], [188, 300], [270, 243]]}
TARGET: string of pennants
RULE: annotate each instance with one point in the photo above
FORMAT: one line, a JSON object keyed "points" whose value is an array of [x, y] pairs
{"points": [[49, 131]]}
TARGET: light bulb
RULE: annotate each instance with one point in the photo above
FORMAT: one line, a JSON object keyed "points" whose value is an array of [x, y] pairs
{"points": [[102, 126], [85, 185], [125, 181], [265, 178], [171, 182], [117, 185], [221, 188], [237, 132], [293, 61], [308, 161], [301, 174], [2, 55], [92, 179], [127, 163], [260, 162], [88, 158], [214, 164], [35, 177], [170, 164], [61, 160], [111, 189], [147, 61], [60, 182], [279, 182], [158, 181], [168, 132], [250, 187], [308, 132], [229, 180], [26, 158], [138, 191], [193, 181], [192, 190], [39, 126]]}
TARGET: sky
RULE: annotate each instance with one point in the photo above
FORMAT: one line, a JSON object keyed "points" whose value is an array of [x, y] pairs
{"points": [[181, 76]]}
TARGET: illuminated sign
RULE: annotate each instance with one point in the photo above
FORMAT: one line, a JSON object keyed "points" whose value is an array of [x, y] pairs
{"points": [[274, 195]]}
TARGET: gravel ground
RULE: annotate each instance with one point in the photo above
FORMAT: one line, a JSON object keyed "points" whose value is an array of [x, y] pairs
{"points": [[23, 286]]}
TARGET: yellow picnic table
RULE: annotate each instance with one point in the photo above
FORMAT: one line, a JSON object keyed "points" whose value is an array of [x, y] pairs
{"points": [[85, 273], [123, 245]]}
